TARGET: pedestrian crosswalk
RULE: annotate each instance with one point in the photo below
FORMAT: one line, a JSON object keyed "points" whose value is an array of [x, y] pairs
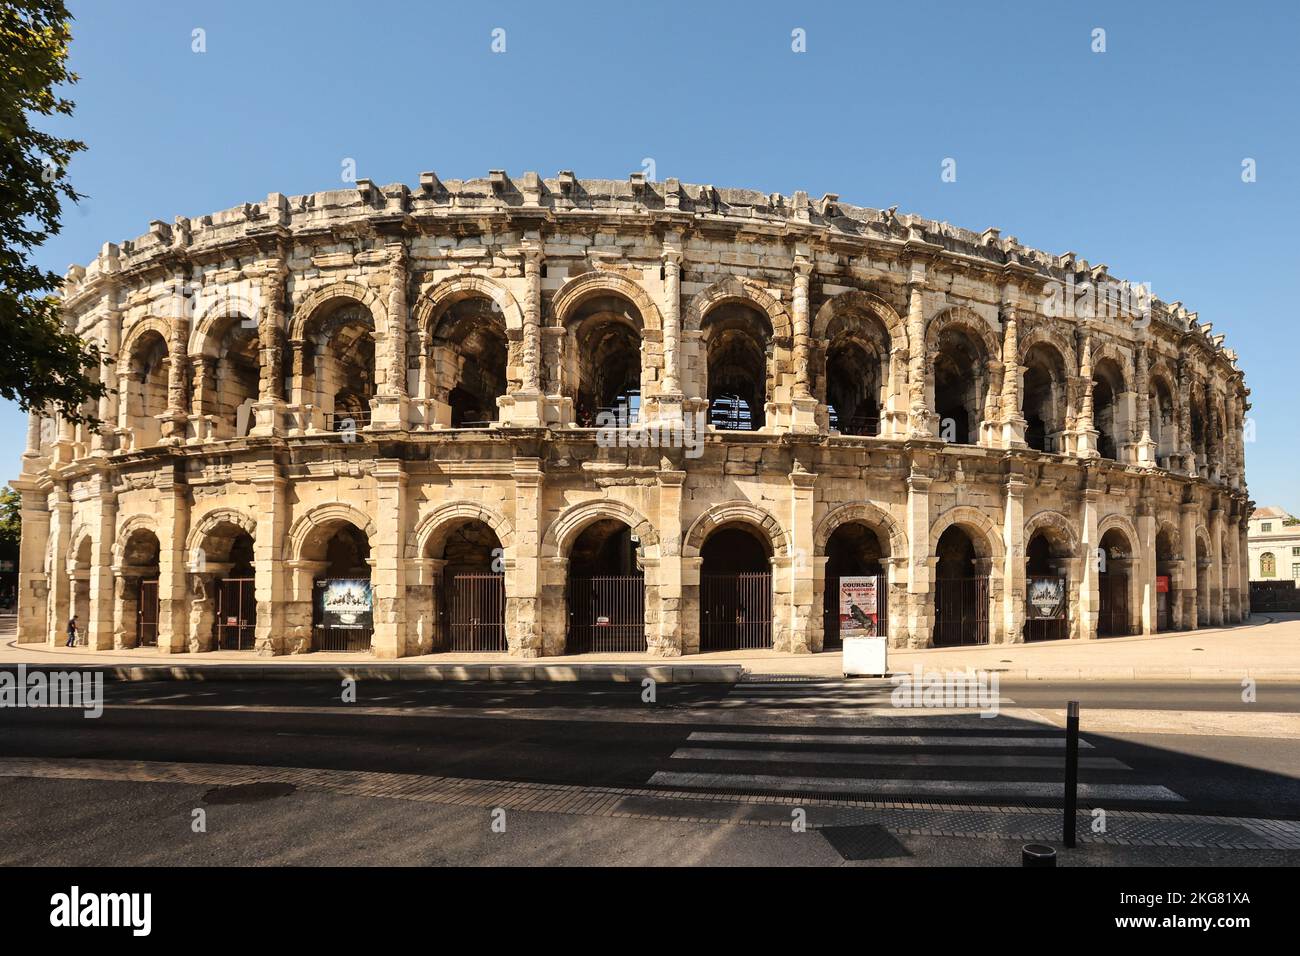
{"points": [[966, 759], [831, 694]]}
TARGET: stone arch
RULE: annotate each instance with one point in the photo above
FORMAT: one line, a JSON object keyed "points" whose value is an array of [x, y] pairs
{"points": [[859, 300], [448, 292], [1102, 351], [862, 513], [1203, 538], [1060, 534], [324, 514], [325, 297], [735, 512], [150, 323], [963, 317], [1044, 333], [984, 533], [564, 530], [1173, 535], [211, 520], [226, 307], [1124, 525], [127, 528], [575, 291], [447, 515], [731, 289]]}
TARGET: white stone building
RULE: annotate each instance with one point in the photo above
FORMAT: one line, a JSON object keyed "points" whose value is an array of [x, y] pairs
{"points": [[373, 418], [1274, 545]]}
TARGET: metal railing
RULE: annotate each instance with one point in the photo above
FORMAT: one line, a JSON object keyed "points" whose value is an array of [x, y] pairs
{"points": [[735, 611], [347, 421], [961, 611]]}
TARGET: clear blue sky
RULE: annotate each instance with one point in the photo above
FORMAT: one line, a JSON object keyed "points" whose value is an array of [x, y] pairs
{"points": [[1130, 157]]}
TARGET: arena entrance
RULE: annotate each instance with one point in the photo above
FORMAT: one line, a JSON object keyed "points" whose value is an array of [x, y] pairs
{"points": [[961, 592], [1047, 605], [1112, 586], [1166, 562], [140, 569], [236, 618], [853, 550], [146, 613], [342, 601], [735, 590], [606, 592], [471, 610]]}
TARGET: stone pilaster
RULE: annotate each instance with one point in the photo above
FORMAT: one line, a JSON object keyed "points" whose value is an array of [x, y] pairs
{"points": [[526, 407], [60, 584], [921, 418], [390, 406], [1086, 434], [1013, 570], [173, 595], [1188, 596], [33, 585], [920, 611], [1146, 446], [670, 638], [1013, 421], [1217, 573], [270, 578], [803, 407], [524, 610], [1145, 566], [104, 439], [271, 332], [387, 552], [1089, 573], [176, 419], [99, 629], [803, 586], [672, 314]]}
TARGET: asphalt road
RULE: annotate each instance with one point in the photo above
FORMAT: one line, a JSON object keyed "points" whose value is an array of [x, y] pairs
{"points": [[830, 737]]}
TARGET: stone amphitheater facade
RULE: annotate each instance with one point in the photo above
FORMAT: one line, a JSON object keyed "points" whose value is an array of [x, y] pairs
{"points": [[563, 382]]}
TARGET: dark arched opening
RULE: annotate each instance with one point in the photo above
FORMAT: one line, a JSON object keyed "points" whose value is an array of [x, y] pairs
{"points": [[606, 592], [853, 552], [1115, 563], [470, 602], [343, 609], [961, 591], [735, 589]]}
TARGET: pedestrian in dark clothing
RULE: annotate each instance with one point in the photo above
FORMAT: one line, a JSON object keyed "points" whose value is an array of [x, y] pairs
{"points": [[72, 631]]}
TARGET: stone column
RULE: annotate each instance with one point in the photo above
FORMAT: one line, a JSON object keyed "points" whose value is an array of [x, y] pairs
{"points": [[1013, 420], [175, 419], [803, 586], [921, 424], [1217, 573], [1185, 419], [271, 331], [1089, 583], [526, 408], [173, 510], [1085, 434], [803, 407], [668, 642], [1188, 596], [672, 317], [387, 553], [60, 589], [270, 579], [33, 585], [524, 610], [1146, 449], [1145, 566], [99, 629], [1013, 569], [104, 439], [205, 381], [920, 612], [391, 404]]}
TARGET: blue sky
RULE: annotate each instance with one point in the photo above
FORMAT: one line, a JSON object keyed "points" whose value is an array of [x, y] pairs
{"points": [[1131, 157]]}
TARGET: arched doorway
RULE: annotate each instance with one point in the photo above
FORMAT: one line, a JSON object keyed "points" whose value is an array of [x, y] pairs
{"points": [[854, 550], [1107, 413], [145, 386], [235, 625], [1047, 605], [1113, 584], [604, 360], [606, 591], [338, 372], [736, 341], [469, 361], [961, 591], [960, 384], [1167, 615], [138, 583], [226, 376], [470, 595], [735, 589], [80, 598], [1202, 582], [1044, 398], [342, 600]]}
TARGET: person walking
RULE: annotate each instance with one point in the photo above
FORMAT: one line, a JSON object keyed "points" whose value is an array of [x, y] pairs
{"points": [[72, 632]]}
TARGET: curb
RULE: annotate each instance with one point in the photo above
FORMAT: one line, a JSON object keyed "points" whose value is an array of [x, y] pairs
{"points": [[560, 673]]}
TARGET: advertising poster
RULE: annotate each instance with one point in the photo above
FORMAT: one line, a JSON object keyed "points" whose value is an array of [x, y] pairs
{"points": [[859, 608], [344, 602], [1046, 599]]}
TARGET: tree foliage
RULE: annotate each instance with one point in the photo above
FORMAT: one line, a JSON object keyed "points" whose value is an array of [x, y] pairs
{"points": [[43, 365]]}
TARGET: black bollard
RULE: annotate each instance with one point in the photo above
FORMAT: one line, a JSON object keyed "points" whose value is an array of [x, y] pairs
{"points": [[1071, 771], [1037, 854]]}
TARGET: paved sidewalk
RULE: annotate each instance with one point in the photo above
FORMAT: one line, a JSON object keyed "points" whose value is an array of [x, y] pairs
{"points": [[1268, 648]]}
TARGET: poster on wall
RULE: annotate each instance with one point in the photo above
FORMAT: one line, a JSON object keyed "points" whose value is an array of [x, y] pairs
{"points": [[344, 603], [859, 608], [1046, 599]]}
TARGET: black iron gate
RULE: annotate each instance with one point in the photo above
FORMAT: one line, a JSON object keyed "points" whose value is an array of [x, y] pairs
{"points": [[473, 613], [146, 614], [831, 610], [606, 614], [236, 614], [1047, 607], [350, 631], [961, 611], [735, 611], [1112, 621]]}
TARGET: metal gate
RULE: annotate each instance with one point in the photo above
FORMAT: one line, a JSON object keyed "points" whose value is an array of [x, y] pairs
{"points": [[606, 614], [1112, 621], [350, 633], [146, 614], [1043, 621], [831, 610], [735, 611], [473, 613], [236, 614], [961, 611]]}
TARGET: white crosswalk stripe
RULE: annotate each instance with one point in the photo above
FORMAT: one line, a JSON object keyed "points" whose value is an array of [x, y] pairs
{"points": [[844, 695], [980, 766]]}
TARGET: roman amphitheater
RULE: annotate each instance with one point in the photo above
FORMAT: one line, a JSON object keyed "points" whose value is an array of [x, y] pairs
{"points": [[581, 416]]}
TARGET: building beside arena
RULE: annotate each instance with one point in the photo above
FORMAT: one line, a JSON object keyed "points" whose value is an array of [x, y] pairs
{"points": [[563, 415]]}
